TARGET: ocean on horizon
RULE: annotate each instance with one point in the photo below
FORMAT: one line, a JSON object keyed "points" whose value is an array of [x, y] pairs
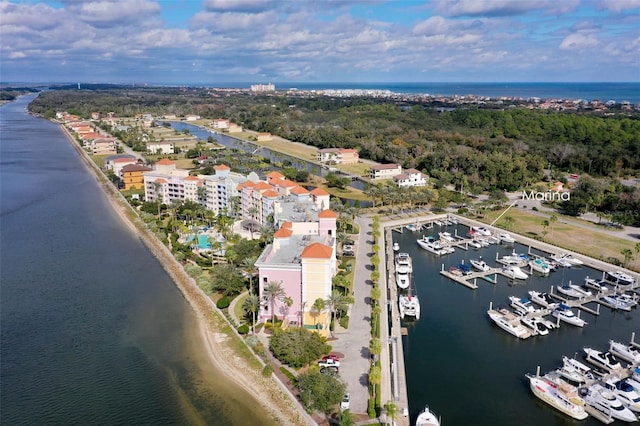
{"points": [[618, 92]]}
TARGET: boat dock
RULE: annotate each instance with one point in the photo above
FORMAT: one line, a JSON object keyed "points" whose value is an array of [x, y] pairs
{"points": [[470, 280]]}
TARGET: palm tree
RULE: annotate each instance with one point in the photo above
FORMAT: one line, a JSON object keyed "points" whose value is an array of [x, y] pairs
{"points": [[252, 304], [637, 250], [628, 254], [553, 219], [509, 222], [253, 213], [248, 265], [336, 302], [274, 291], [392, 411], [157, 186], [375, 347], [317, 308]]}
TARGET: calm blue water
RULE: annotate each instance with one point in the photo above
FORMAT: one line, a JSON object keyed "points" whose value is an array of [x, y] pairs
{"points": [[467, 369], [91, 333], [604, 91]]}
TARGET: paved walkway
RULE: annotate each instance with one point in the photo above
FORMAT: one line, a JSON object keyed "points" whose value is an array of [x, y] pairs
{"points": [[232, 307], [354, 342]]}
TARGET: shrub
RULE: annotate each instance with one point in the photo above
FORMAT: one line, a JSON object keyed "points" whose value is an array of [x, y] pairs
{"points": [[344, 321], [297, 347], [267, 370], [243, 329], [534, 208], [371, 408], [223, 303]]}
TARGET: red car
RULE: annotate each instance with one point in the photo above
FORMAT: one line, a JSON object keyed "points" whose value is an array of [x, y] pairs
{"points": [[333, 357]]}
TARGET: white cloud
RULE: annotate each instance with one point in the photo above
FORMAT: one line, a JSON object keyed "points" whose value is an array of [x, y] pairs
{"points": [[619, 5], [578, 41], [17, 55], [502, 7], [114, 13], [248, 6]]}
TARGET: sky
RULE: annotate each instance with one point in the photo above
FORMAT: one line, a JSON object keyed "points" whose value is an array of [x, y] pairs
{"points": [[261, 41]]}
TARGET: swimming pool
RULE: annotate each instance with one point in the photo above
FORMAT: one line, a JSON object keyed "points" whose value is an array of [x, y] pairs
{"points": [[203, 241]]}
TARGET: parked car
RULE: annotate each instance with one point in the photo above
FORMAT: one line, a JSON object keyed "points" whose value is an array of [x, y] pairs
{"points": [[346, 401], [328, 362], [347, 247], [347, 253], [331, 356]]}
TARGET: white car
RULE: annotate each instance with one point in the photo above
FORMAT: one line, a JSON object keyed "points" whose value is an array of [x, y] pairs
{"points": [[344, 404]]}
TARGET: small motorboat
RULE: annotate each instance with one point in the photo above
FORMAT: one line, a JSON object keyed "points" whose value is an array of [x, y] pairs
{"points": [[481, 230], [543, 299], [453, 220], [514, 259], [396, 246], [514, 272], [466, 269], [480, 265], [603, 360], [564, 313], [540, 266], [574, 371], [604, 400], [537, 327], [505, 238], [427, 418], [446, 236], [624, 352], [522, 306], [632, 301], [568, 257], [474, 244], [560, 261]]}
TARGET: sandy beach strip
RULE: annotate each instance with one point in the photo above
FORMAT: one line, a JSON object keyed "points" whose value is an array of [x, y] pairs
{"points": [[219, 348]]}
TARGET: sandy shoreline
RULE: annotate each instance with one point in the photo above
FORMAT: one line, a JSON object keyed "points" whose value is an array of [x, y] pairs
{"points": [[220, 352]]}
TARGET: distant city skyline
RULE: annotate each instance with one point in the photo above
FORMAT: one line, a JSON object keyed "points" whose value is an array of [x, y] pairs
{"points": [[264, 41]]}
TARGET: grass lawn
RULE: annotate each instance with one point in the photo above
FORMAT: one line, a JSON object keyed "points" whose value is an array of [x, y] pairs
{"points": [[238, 311], [562, 233]]}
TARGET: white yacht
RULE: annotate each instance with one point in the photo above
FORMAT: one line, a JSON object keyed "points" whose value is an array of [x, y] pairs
{"points": [[480, 265], [536, 326], [404, 268], [564, 313], [453, 220], [568, 257], [560, 261], [446, 236], [561, 396], [514, 259], [543, 299], [509, 323], [481, 230], [540, 266], [574, 371], [615, 303], [506, 238], [604, 400], [598, 285], [602, 359], [514, 272], [413, 227], [434, 246], [396, 246], [474, 244], [632, 301], [625, 393], [523, 306], [624, 352], [619, 277], [427, 418], [409, 305], [570, 290]]}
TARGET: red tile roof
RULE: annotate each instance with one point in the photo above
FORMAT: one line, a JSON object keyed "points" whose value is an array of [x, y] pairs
{"points": [[317, 251], [328, 214], [298, 190], [270, 193], [165, 161], [222, 167], [319, 192], [283, 233]]}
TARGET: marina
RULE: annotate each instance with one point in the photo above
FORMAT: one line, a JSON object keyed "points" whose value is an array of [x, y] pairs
{"points": [[443, 338]]}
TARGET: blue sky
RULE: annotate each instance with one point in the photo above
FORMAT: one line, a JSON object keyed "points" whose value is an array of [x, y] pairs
{"points": [[220, 41]]}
